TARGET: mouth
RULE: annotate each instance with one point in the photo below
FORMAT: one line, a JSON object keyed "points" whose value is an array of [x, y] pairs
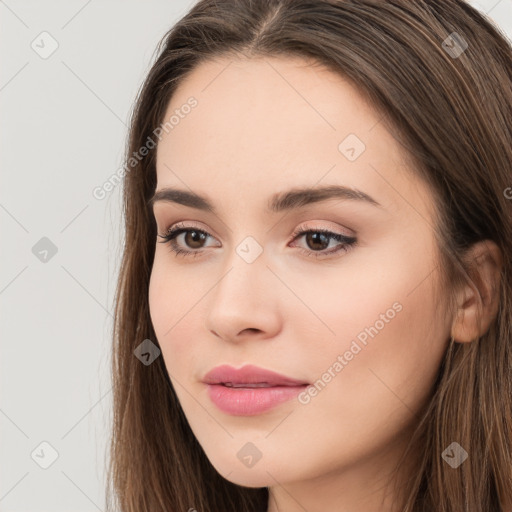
{"points": [[250, 390]]}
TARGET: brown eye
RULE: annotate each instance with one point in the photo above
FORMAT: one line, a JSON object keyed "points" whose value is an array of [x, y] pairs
{"points": [[317, 241], [186, 241], [194, 239]]}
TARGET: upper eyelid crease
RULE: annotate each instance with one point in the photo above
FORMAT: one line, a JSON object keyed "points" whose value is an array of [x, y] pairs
{"points": [[292, 199]]}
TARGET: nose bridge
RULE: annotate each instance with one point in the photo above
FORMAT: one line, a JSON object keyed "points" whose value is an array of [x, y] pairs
{"points": [[242, 281], [243, 297]]}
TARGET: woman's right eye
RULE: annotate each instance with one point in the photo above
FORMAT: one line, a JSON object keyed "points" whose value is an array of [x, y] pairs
{"points": [[193, 238]]}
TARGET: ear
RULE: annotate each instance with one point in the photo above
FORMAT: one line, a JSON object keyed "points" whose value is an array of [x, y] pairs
{"points": [[478, 301]]}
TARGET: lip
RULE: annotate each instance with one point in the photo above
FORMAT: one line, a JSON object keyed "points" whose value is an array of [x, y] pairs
{"points": [[273, 389]]}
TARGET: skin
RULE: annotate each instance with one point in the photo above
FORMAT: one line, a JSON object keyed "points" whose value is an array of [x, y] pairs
{"points": [[264, 126]]}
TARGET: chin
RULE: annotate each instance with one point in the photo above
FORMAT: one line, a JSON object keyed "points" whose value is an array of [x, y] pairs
{"points": [[237, 473], [247, 478]]}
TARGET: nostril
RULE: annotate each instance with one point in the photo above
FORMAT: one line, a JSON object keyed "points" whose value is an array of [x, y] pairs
{"points": [[251, 329]]}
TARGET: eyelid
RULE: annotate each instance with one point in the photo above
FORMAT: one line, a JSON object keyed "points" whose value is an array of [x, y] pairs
{"points": [[315, 227], [188, 224]]}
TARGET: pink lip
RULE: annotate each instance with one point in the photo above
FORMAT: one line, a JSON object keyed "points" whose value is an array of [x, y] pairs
{"points": [[247, 401]]}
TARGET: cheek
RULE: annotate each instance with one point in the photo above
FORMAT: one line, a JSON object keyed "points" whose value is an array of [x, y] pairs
{"points": [[171, 292], [388, 339], [390, 348], [177, 310], [168, 301], [378, 307]]}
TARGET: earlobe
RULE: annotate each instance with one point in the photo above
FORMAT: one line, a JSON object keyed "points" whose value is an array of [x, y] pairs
{"points": [[479, 300]]}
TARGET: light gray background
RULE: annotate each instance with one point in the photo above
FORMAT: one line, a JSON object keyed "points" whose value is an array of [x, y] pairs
{"points": [[64, 123]]}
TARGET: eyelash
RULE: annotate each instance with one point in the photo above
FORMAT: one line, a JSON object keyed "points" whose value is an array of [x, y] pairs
{"points": [[347, 242]]}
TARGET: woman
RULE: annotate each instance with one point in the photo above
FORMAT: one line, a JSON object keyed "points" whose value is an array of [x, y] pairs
{"points": [[314, 304]]}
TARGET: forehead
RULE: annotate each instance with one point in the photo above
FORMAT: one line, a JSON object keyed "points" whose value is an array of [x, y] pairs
{"points": [[266, 124]]}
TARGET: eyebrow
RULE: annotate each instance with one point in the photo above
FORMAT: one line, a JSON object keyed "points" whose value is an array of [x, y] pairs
{"points": [[292, 199]]}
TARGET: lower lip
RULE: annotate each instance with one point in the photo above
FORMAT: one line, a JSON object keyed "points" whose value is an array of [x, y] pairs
{"points": [[250, 401]]}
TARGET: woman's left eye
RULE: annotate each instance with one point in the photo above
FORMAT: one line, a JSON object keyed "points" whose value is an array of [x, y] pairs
{"points": [[322, 238], [318, 239]]}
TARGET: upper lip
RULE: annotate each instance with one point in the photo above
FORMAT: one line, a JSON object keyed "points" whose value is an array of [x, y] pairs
{"points": [[248, 374]]}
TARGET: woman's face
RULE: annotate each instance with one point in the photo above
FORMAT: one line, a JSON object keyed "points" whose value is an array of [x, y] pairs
{"points": [[356, 321]]}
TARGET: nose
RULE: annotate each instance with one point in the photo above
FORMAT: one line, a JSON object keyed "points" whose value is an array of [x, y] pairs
{"points": [[244, 304]]}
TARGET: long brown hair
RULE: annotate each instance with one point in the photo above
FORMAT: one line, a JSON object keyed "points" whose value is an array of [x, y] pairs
{"points": [[452, 112]]}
